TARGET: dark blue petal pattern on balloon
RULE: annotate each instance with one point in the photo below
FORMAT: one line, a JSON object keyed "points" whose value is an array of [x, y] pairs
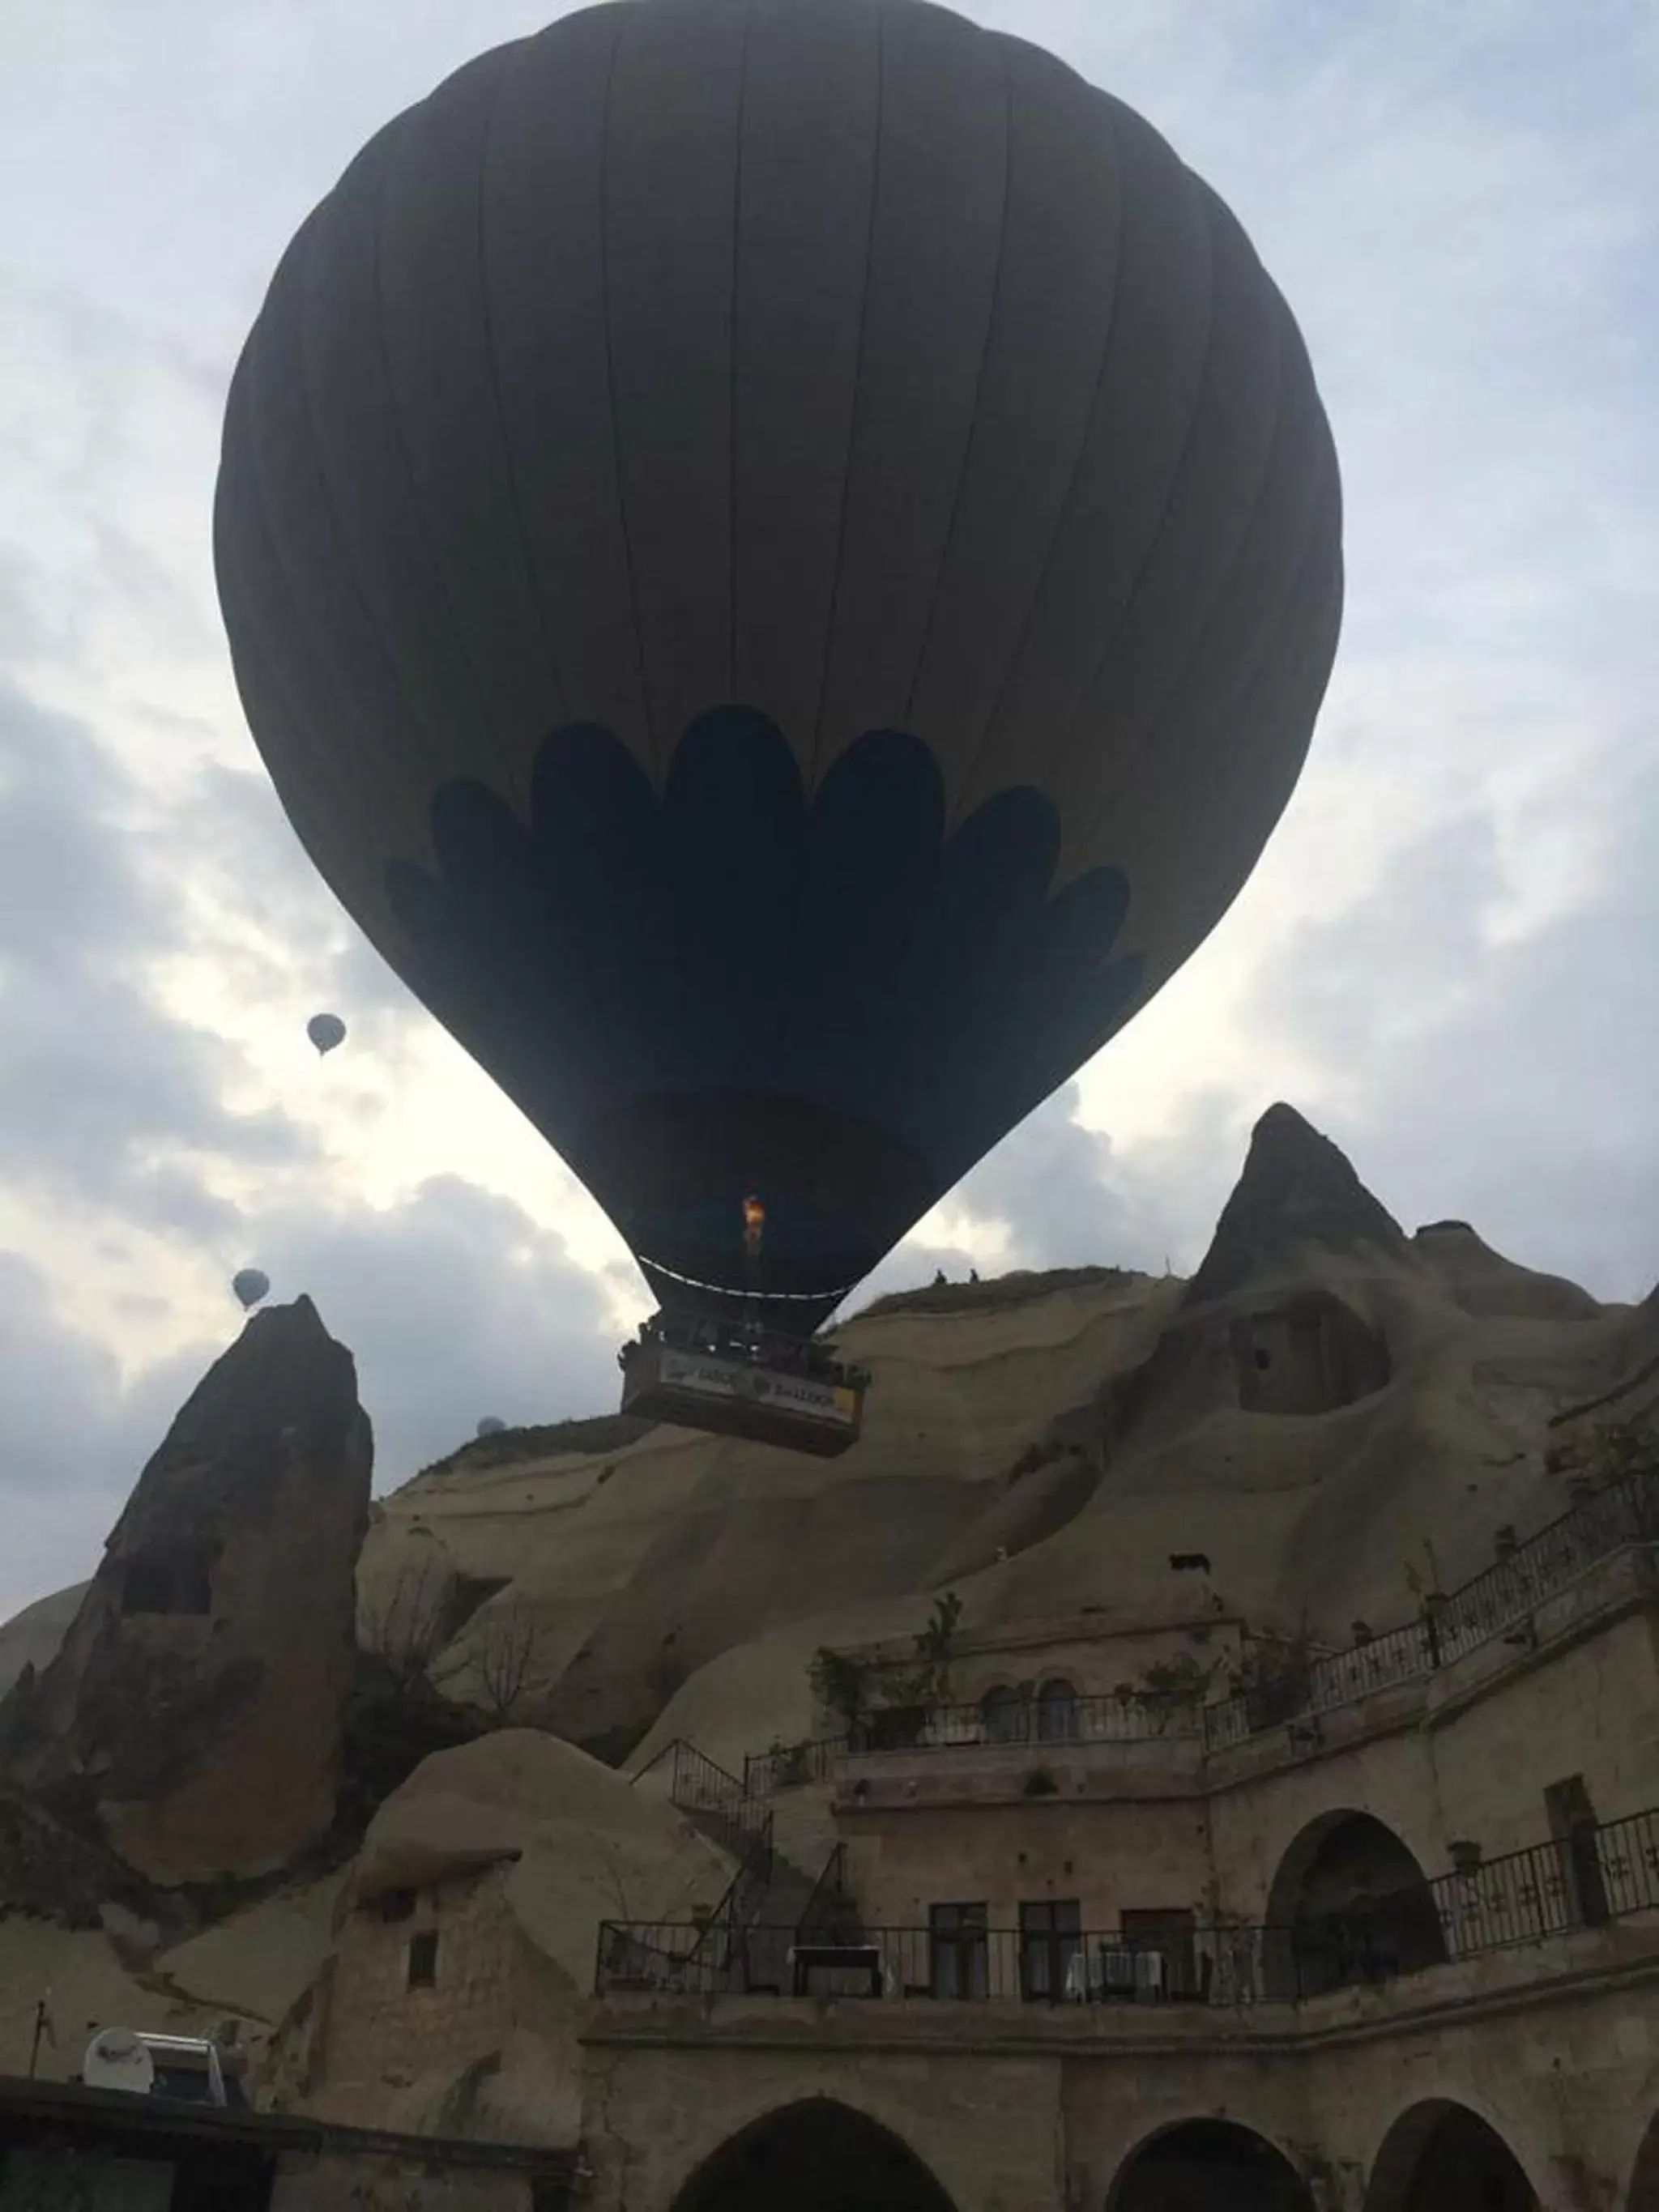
{"points": [[828, 1000]]}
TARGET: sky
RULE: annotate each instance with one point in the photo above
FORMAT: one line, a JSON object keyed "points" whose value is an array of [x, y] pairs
{"points": [[1445, 958]]}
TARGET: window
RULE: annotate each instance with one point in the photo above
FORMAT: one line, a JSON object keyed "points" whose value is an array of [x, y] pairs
{"points": [[1057, 1712], [1263, 1359], [1573, 1827], [424, 1959], [1004, 1716], [956, 1935], [1051, 1949], [1164, 1933], [397, 1905]]}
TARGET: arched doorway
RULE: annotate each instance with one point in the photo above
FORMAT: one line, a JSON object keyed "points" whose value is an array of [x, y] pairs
{"points": [[1349, 1904], [1441, 2157], [819, 2156], [1209, 2166], [1644, 2176]]}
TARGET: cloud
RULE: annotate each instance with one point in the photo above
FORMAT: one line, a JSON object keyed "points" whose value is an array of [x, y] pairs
{"points": [[1505, 1080], [455, 1304], [102, 1093], [72, 1439], [1441, 958]]}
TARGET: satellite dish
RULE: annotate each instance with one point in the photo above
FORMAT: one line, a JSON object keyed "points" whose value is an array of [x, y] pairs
{"points": [[117, 2059], [491, 1426]]}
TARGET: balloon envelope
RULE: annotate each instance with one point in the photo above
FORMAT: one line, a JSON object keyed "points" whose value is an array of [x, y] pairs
{"points": [[782, 561], [489, 1426], [325, 1031], [250, 1284]]}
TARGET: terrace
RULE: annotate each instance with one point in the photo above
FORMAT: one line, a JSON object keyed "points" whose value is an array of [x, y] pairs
{"points": [[1501, 1605], [1585, 1881]]}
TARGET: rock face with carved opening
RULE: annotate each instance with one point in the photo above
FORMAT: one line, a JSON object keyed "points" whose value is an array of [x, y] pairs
{"points": [[1310, 1353], [193, 1715]]}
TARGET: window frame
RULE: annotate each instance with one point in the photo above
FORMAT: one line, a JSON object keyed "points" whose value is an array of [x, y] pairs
{"points": [[1053, 1946], [964, 1941]]}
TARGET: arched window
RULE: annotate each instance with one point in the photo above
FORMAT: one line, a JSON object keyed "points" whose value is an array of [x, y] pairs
{"points": [[1350, 1903], [1006, 1720], [1057, 1712]]}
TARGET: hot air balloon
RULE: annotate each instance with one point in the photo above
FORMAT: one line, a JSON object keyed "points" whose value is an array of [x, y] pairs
{"points": [[490, 1426], [782, 560], [325, 1031], [250, 1284]]}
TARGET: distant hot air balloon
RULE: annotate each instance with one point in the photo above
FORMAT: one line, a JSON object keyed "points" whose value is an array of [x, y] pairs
{"points": [[325, 1031], [490, 1426], [782, 561], [250, 1284]]}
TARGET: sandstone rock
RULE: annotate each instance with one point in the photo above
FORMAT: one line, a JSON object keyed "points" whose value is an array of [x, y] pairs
{"points": [[509, 1853], [1046, 1450], [31, 1638], [1484, 1282], [194, 1711], [1296, 1188]]}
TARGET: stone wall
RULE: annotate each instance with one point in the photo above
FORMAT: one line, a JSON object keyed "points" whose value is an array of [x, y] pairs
{"points": [[1038, 2109], [1107, 1857], [1467, 1754], [381, 2037]]}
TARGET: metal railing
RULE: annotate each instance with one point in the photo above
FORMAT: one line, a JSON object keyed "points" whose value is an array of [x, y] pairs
{"points": [[1078, 1719], [1585, 1880], [1201, 1966], [788, 1765], [1496, 1600], [1626, 1512], [699, 1784]]}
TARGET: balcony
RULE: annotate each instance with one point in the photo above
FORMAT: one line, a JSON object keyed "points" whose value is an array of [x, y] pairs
{"points": [[1512, 1602], [1581, 1883]]}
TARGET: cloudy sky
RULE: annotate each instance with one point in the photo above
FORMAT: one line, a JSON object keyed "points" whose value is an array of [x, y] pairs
{"points": [[1446, 958]]}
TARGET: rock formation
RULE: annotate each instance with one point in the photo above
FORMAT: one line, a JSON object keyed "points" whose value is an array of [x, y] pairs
{"points": [[504, 1856], [1296, 1188], [192, 1717], [1323, 1396], [1325, 1393]]}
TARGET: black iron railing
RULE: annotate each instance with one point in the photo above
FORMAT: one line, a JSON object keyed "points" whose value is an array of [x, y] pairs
{"points": [[699, 1784], [1495, 1602], [1579, 1881], [788, 1765]]}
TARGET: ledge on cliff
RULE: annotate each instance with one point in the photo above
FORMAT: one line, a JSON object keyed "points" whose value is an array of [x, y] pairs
{"points": [[1017, 1288], [1296, 1188]]}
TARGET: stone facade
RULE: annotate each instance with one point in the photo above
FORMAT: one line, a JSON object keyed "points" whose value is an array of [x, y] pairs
{"points": [[1522, 2079], [1026, 2109]]}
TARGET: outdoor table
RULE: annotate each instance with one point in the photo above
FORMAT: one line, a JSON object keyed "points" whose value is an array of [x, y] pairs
{"points": [[862, 1958]]}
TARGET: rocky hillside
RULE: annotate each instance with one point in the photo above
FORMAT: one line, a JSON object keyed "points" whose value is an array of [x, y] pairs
{"points": [[1328, 1394]]}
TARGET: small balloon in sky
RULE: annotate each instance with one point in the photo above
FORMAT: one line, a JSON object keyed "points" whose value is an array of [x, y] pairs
{"points": [[325, 1031], [491, 1426], [250, 1284]]}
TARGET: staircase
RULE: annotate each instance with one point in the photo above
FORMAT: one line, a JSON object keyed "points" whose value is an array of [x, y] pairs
{"points": [[771, 1900]]}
